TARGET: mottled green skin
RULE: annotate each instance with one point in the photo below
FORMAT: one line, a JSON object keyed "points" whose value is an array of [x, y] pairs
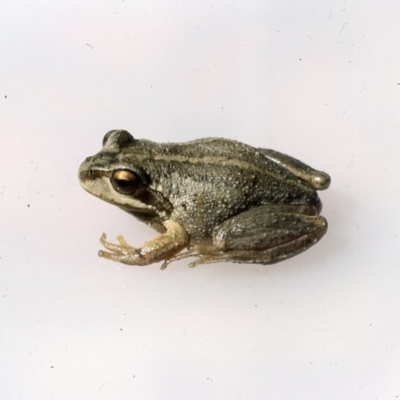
{"points": [[203, 183]]}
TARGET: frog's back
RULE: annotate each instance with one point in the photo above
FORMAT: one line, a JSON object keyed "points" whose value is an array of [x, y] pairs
{"points": [[218, 149], [210, 180], [232, 155], [227, 166]]}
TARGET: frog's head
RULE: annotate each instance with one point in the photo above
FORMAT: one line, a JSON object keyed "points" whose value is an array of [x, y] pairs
{"points": [[115, 175]]}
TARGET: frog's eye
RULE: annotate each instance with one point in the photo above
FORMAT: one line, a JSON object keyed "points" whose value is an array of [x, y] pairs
{"points": [[117, 139], [124, 181]]}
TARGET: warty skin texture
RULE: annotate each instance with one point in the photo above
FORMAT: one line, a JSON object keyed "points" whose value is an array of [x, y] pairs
{"points": [[198, 187]]}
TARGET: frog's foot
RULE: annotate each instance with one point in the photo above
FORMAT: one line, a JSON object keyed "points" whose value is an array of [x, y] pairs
{"points": [[180, 256], [204, 254], [121, 252], [161, 248]]}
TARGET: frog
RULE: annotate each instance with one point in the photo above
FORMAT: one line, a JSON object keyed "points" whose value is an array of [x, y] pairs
{"points": [[212, 199]]}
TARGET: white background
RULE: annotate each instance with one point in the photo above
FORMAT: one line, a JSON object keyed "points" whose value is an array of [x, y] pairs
{"points": [[319, 80]]}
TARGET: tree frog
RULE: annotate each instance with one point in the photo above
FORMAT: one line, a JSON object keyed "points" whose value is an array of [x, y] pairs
{"points": [[213, 199]]}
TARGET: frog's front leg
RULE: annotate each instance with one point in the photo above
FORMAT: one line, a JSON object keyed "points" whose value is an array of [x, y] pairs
{"points": [[161, 248], [266, 235]]}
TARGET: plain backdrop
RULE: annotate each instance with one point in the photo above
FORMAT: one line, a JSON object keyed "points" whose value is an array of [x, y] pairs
{"points": [[319, 80]]}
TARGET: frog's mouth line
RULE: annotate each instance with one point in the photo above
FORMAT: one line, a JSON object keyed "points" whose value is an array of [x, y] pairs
{"points": [[100, 186], [128, 204]]}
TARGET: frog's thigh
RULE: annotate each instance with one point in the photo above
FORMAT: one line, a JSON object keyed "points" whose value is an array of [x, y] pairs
{"points": [[259, 235]]}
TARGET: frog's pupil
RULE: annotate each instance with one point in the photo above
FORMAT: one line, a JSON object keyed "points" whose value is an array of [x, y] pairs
{"points": [[124, 182]]}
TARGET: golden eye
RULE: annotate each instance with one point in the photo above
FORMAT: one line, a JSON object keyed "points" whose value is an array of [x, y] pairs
{"points": [[124, 181]]}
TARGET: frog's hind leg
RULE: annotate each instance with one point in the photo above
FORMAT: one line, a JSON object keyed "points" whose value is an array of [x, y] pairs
{"points": [[206, 254], [317, 179], [265, 237], [274, 254]]}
